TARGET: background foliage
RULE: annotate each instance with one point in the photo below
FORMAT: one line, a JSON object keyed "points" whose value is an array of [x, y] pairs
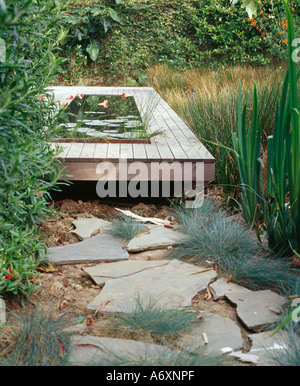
{"points": [[180, 33]]}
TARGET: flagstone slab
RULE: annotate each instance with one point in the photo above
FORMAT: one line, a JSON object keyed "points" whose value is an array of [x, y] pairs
{"points": [[103, 247], [89, 350], [267, 347], [88, 227], [156, 237], [258, 310], [171, 286], [102, 273], [220, 287], [2, 311], [223, 335]]}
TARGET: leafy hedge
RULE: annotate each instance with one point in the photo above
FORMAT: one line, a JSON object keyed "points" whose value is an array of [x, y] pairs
{"points": [[29, 34], [177, 32]]}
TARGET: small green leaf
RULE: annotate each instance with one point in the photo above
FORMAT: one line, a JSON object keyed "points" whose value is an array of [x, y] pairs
{"points": [[113, 14], [93, 50]]}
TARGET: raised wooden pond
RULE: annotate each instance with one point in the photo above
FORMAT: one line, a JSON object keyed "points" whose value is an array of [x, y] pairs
{"points": [[177, 143]]}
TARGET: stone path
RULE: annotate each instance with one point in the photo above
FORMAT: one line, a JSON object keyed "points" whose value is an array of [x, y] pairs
{"points": [[172, 284], [155, 237], [223, 335], [103, 247], [89, 350], [257, 310], [88, 227]]}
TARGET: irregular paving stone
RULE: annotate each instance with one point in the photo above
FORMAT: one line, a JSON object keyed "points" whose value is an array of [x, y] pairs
{"points": [[103, 247], [222, 333], [87, 227], [171, 286], [220, 287], [2, 311], [156, 237], [257, 309], [248, 358], [88, 350], [268, 348], [101, 273]]}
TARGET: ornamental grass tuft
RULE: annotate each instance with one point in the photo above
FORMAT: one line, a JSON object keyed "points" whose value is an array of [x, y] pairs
{"points": [[125, 227], [211, 234], [35, 338]]}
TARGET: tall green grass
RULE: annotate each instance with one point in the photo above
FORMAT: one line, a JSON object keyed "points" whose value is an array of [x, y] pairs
{"points": [[280, 205]]}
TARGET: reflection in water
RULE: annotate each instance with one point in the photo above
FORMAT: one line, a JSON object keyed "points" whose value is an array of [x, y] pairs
{"points": [[86, 118]]}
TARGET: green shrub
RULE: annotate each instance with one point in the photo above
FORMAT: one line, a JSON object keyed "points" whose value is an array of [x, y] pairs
{"points": [[30, 32], [177, 32]]}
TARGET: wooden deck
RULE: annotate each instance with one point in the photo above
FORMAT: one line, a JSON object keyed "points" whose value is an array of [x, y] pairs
{"points": [[177, 143]]}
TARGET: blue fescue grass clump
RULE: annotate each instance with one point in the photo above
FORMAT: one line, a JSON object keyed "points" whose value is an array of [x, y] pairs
{"points": [[214, 237], [125, 227], [211, 234], [188, 218], [167, 358], [259, 272], [35, 338], [151, 320], [289, 355]]}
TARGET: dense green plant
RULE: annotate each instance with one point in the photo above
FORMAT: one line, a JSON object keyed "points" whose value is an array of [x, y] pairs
{"points": [[177, 32], [36, 337], [280, 204], [249, 148], [86, 26], [30, 32]]}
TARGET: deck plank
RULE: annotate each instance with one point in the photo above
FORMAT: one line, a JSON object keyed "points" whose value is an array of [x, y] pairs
{"points": [[126, 151], [113, 151], [101, 151], [152, 151], [88, 150], [65, 148], [75, 150], [177, 143], [139, 151]]}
